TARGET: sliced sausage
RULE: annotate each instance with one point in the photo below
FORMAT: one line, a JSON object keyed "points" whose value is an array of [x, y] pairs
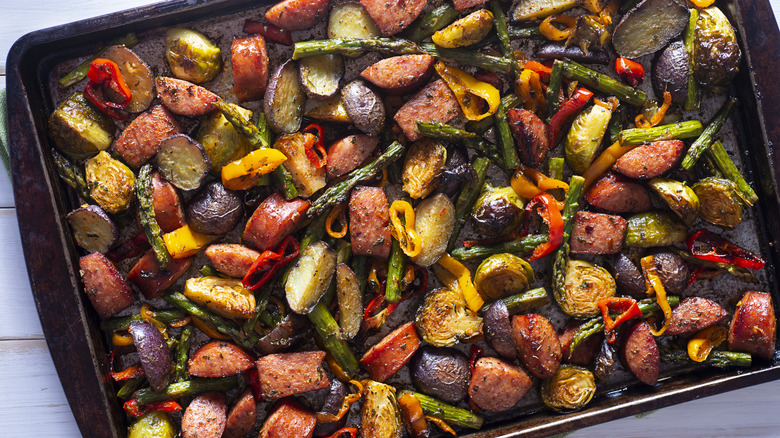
{"points": [[231, 259], [139, 141], [753, 327], [585, 352], [640, 353], [497, 385], [242, 417], [185, 98], [462, 5], [400, 74], [597, 233], [537, 344], [434, 103], [249, 59], [168, 210], [285, 374], [297, 14], [346, 154], [369, 222], [289, 420], [150, 280], [273, 220], [530, 134], [205, 417], [104, 285], [618, 194], [390, 354], [393, 16], [650, 160], [695, 314], [218, 359]]}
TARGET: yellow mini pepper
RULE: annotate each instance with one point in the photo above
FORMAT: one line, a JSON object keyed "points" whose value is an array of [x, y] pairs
{"points": [[465, 88], [245, 172], [184, 242]]}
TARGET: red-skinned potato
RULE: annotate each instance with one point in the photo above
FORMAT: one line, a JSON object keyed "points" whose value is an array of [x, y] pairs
{"points": [[153, 352]]}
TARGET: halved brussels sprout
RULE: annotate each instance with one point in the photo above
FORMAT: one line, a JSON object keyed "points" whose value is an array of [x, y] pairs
{"points": [[716, 53], [191, 55], [155, 424], [585, 285], [501, 275], [111, 184], [654, 228], [585, 136], [223, 144], [571, 388], [680, 198], [380, 416], [720, 202], [424, 162], [443, 319], [78, 129], [498, 211]]}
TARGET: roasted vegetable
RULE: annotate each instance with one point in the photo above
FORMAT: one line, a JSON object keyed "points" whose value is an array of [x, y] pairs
{"points": [[137, 75], [153, 352], [191, 55], [290, 330], [350, 301], [183, 162], [589, 33], [320, 75], [380, 417], [310, 276], [469, 30], [556, 50], [111, 184], [364, 107], [649, 27], [330, 110], [78, 129], [424, 162], [529, 10], [92, 228], [654, 228], [224, 296], [441, 372], [673, 271], [720, 202], [680, 198], [223, 144], [350, 20], [284, 97], [215, 210], [586, 285], [308, 179], [444, 319], [571, 388], [155, 424], [498, 329], [434, 221], [716, 54], [670, 72], [498, 211], [585, 136], [501, 275]]}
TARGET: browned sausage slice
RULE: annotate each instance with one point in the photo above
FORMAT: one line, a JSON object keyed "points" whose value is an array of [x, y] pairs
{"points": [[585, 352], [242, 418], [530, 134], [497, 385], [150, 280], [168, 210], [285, 374], [346, 154], [139, 141], [618, 194], [597, 233], [289, 420], [273, 220], [390, 354], [650, 160], [104, 285], [249, 59], [754, 327], [369, 222], [537, 344], [400, 74], [218, 359], [205, 416], [462, 5], [231, 259], [393, 16], [694, 314], [185, 98], [434, 103], [297, 14], [640, 353]]}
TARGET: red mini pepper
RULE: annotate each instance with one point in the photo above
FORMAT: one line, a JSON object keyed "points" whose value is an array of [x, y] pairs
{"points": [[552, 217], [135, 409], [350, 430], [626, 308], [706, 245], [269, 31], [264, 268], [373, 317], [312, 150], [630, 71], [566, 113], [130, 372], [104, 73]]}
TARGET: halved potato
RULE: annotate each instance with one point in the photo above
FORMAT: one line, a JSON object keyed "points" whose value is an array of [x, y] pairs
{"points": [[330, 110], [320, 75], [183, 162], [137, 75], [223, 296], [284, 97], [92, 228], [350, 20], [310, 277]]}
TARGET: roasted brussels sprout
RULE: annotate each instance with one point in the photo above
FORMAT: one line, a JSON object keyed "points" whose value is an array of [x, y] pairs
{"points": [[78, 129], [680, 198], [223, 144], [443, 319], [155, 424], [424, 162], [224, 296], [654, 228], [585, 136], [571, 388], [720, 202], [501, 275], [588, 33], [586, 284], [380, 417], [716, 53], [498, 211], [191, 55], [111, 184]]}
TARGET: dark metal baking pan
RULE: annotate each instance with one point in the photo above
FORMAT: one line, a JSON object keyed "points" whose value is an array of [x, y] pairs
{"points": [[71, 326]]}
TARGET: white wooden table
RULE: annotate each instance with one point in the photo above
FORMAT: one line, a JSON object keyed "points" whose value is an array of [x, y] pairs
{"points": [[32, 402]]}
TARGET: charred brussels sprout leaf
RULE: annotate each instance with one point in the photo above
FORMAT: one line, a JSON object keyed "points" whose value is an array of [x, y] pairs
{"points": [[424, 162], [586, 284], [571, 388], [443, 319], [654, 228], [79, 130], [191, 55], [498, 211], [680, 198], [716, 53], [720, 202], [501, 275]]}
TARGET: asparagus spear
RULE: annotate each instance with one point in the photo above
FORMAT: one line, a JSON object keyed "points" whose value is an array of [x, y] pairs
{"points": [[73, 175], [164, 316], [705, 139], [509, 101], [499, 22], [143, 190], [717, 153], [80, 72], [555, 170], [182, 354], [468, 57], [448, 413], [395, 272], [219, 323], [523, 301], [525, 244], [360, 268], [338, 192], [570, 207], [469, 139], [505, 140], [429, 23], [327, 329], [524, 32], [467, 197], [718, 359], [186, 388], [355, 46], [603, 83], [553, 89], [681, 130], [130, 386], [692, 99]]}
